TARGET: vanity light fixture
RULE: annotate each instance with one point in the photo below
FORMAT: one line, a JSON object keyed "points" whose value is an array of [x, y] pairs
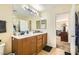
{"points": [[30, 9]]}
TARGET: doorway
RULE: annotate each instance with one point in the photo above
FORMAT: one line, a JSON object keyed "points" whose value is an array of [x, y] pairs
{"points": [[62, 26]]}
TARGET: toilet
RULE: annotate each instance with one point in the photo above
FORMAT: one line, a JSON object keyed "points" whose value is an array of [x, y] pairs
{"points": [[2, 45]]}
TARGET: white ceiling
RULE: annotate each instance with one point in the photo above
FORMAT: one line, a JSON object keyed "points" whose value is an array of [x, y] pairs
{"points": [[57, 7], [18, 10]]}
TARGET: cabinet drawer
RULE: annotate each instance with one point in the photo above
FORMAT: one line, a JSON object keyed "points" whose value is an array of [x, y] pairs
{"points": [[33, 40], [33, 51], [39, 37], [39, 48], [40, 44], [39, 40]]}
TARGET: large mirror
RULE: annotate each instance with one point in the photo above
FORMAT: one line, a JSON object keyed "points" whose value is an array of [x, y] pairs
{"points": [[41, 24]]}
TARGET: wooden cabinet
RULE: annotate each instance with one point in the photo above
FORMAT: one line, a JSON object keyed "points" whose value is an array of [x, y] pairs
{"points": [[64, 36], [14, 45], [30, 45], [44, 39], [33, 45], [26, 46], [39, 43], [17, 46]]}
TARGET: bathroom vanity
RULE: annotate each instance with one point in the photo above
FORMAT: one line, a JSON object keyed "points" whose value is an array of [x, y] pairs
{"points": [[30, 44]]}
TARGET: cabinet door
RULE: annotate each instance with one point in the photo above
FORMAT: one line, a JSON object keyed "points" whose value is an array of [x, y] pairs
{"points": [[17, 46], [14, 45], [27, 46], [44, 40], [20, 45], [39, 43], [33, 45]]}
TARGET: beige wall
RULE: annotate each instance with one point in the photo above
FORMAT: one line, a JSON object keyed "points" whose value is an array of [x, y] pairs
{"points": [[6, 14]]}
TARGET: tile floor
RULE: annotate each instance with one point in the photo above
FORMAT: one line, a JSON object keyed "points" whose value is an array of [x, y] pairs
{"points": [[63, 45], [54, 51], [61, 48]]}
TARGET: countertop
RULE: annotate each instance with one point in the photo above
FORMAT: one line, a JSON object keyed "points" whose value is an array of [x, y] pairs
{"points": [[2, 44], [27, 35]]}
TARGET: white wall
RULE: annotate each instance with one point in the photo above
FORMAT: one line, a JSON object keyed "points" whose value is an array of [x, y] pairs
{"points": [[72, 30], [51, 30]]}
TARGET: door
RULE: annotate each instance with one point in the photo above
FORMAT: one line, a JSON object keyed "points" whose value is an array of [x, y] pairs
{"points": [[62, 23]]}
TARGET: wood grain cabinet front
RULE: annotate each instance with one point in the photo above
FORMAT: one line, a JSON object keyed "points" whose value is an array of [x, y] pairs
{"points": [[44, 40], [30, 45], [17, 46], [14, 45], [33, 45], [39, 43], [26, 46]]}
